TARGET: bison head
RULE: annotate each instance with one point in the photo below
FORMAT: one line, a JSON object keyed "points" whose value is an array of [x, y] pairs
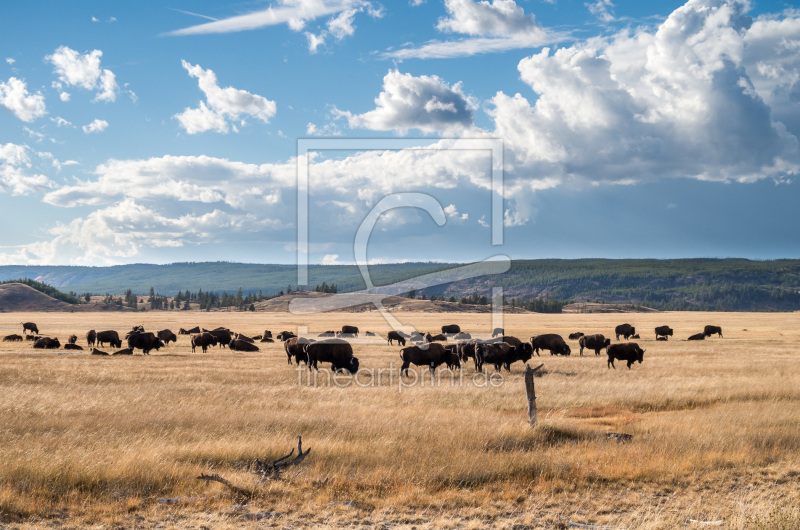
{"points": [[640, 355]]}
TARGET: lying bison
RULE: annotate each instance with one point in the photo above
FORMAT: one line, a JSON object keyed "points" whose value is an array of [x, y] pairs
{"points": [[95, 351], [329, 333], [435, 338], [395, 335], [12, 338], [91, 338], [203, 340], [462, 336], [72, 346], [295, 347], [712, 330], [109, 336], [167, 336], [663, 331], [451, 329], [432, 356], [191, 331], [243, 337], [46, 343], [125, 351], [629, 351], [626, 330], [242, 345], [575, 336], [29, 326], [550, 341], [594, 342], [144, 341], [697, 336], [285, 335], [335, 351]]}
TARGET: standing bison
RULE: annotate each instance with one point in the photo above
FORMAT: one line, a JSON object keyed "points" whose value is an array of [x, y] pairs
{"points": [[663, 331], [712, 330], [395, 335], [626, 330], [594, 342], [432, 356], [295, 347], [29, 326], [203, 340], [91, 338], [629, 351], [502, 354], [349, 330], [550, 341], [191, 331], [335, 351], [451, 329], [575, 336], [498, 332], [109, 336], [144, 341], [167, 336]]}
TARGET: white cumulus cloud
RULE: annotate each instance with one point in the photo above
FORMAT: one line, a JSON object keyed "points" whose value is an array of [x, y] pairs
{"points": [[83, 70], [96, 126], [15, 97], [16, 174]]}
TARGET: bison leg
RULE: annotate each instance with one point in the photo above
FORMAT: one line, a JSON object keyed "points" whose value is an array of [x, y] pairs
{"points": [[611, 363]]}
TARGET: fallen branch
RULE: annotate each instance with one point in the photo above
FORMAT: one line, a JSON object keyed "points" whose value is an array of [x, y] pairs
{"points": [[272, 470], [242, 494]]}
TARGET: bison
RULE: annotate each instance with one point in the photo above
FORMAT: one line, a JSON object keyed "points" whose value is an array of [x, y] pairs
{"points": [[663, 331], [191, 331], [245, 338], [550, 341], [72, 346], [285, 335], [575, 336], [629, 351], [432, 356], [29, 326], [451, 329], [329, 333], [636, 336], [594, 342], [95, 351], [498, 332], [435, 338], [466, 350], [203, 340], [138, 329], [109, 336], [350, 330], [32, 338], [167, 336], [295, 348], [395, 335], [712, 330], [145, 342], [626, 330], [335, 351], [12, 338], [126, 351], [462, 336], [697, 336], [242, 345], [496, 353], [222, 335], [72, 339], [46, 343], [91, 337]]}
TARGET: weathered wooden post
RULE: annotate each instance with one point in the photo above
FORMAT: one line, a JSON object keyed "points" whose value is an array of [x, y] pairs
{"points": [[531, 393]]}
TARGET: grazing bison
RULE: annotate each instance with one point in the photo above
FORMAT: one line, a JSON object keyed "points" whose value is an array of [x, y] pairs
{"points": [[697, 336], [204, 340], [629, 351], [72, 339], [46, 343], [285, 335], [663, 331], [432, 356], [145, 342], [12, 338], [712, 330], [451, 359], [350, 330], [496, 353], [498, 332], [192, 331], [594, 342], [95, 351], [451, 329], [126, 351], [245, 338], [462, 336], [550, 341], [29, 326], [242, 345], [72, 346], [435, 338], [222, 335], [329, 333], [167, 336], [575, 336], [369, 334], [395, 335], [109, 336], [91, 337], [335, 351], [295, 347], [626, 330], [466, 350]]}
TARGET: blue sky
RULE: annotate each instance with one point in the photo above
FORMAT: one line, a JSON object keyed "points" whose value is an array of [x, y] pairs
{"points": [[158, 133]]}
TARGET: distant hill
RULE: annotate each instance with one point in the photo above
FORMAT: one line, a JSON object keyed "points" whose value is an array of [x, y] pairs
{"points": [[18, 297], [681, 284]]}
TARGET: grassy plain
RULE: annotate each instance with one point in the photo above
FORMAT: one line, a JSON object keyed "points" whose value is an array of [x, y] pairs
{"points": [[88, 440]]}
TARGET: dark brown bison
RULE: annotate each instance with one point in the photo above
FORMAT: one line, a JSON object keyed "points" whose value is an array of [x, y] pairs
{"points": [[662, 339], [222, 335], [267, 334], [451, 329], [697, 336], [167, 336], [32, 338], [338, 352], [712, 330], [72, 346], [550, 341], [350, 330], [72, 339], [495, 353], [466, 350], [629, 351], [395, 335], [12, 338], [435, 338], [513, 341], [498, 332], [594, 342], [203, 340], [243, 337], [29, 326], [95, 351], [145, 342], [191, 331], [295, 347], [626, 330], [663, 331], [285, 335], [138, 329], [109, 336], [91, 337], [329, 333], [432, 356], [575, 336], [242, 345], [635, 336], [47, 343], [126, 351]]}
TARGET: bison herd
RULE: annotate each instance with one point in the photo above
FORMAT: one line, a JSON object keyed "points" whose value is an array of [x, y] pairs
{"points": [[423, 350]]}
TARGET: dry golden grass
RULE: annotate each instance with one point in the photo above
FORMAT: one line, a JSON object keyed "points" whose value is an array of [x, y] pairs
{"points": [[91, 440]]}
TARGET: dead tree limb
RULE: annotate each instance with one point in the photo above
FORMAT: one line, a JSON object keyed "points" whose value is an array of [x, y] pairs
{"points": [[272, 470], [241, 493]]}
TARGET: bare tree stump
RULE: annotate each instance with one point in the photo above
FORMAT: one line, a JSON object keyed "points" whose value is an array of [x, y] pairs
{"points": [[531, 393]]}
